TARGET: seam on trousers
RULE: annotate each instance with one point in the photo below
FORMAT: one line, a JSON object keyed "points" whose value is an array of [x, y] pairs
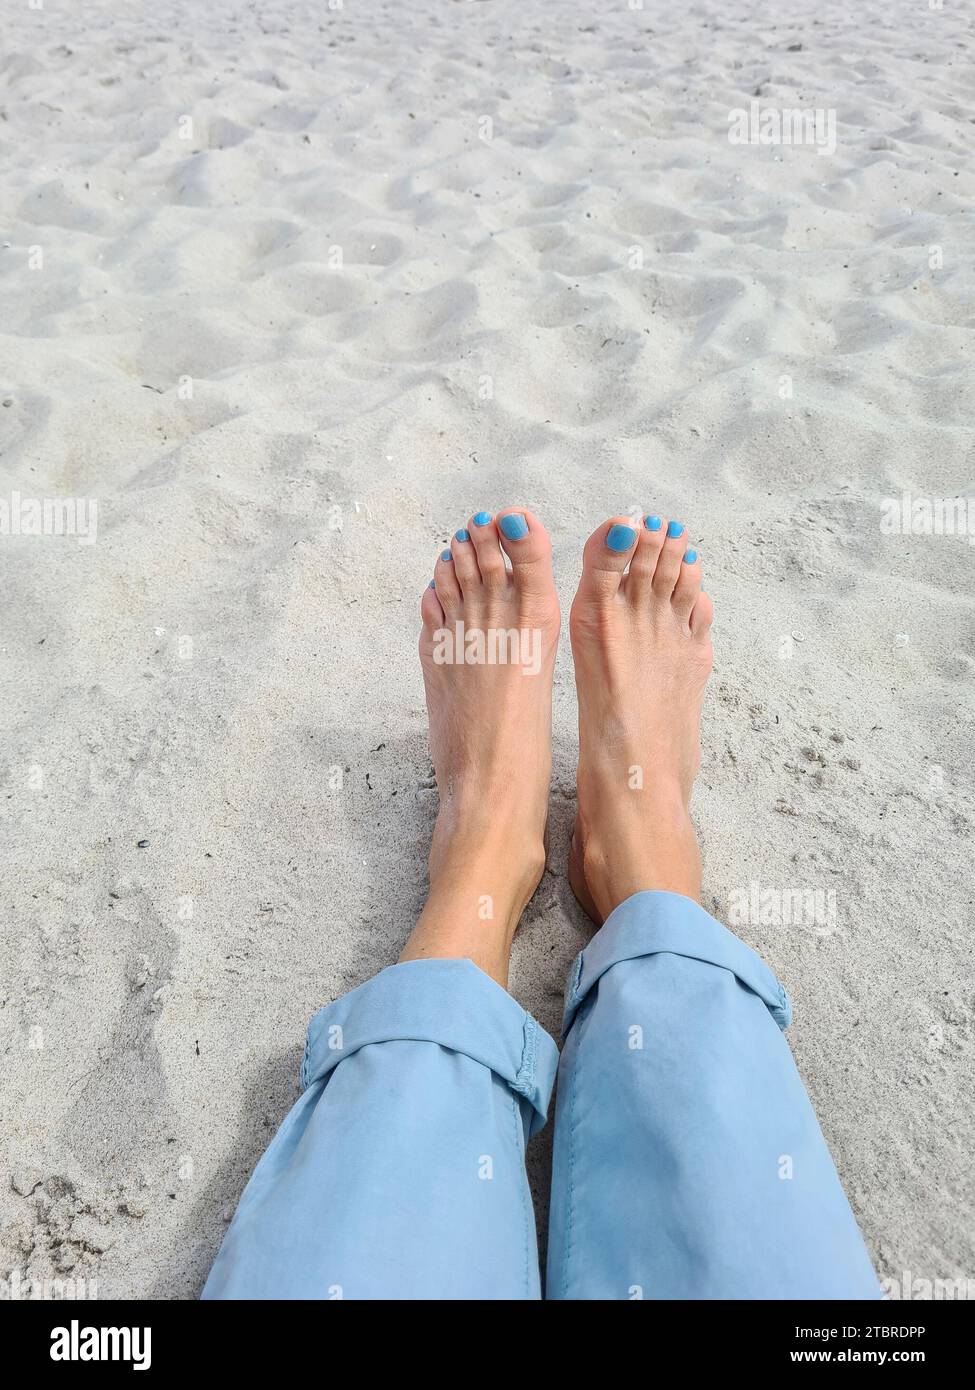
{"points": [[575, 978], [524, 1082], [303, 1069], [570, 1179], [525, 1195], [783, 1014]]}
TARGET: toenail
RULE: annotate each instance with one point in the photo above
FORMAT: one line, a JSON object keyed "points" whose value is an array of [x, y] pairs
{"points": [[620, 537], [675, 528], [515, 527], [652, 523], [482, 518], [446, 555], [690, 556], [462, 535]]}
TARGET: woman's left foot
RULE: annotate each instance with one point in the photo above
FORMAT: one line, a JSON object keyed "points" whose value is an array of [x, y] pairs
{"points": [[488, 652]]}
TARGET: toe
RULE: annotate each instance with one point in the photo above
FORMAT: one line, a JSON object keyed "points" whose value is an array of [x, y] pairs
{"points": [[430, 610], [526, 544], [702, 615], [669, 560], [688, 585], [483, 532], [445, 582], [650, 542], [466, 568], [606, 554]]}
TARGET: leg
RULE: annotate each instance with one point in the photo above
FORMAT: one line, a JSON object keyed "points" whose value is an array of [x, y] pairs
{"points": [[399, 1174], [688, 1161], [400, 1171]]}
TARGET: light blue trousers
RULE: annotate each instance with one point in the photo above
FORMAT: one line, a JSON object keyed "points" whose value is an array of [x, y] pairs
{"points": [[688, 1162]]}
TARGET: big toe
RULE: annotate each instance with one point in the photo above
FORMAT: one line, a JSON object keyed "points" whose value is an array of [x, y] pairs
{"points": [[605, 556]]}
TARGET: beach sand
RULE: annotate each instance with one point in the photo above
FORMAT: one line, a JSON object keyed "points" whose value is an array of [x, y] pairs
{"points": [[290, 292]]}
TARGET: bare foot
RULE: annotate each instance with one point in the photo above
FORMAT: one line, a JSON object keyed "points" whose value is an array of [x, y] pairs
{"points": [[488, 651], [642, 654]]}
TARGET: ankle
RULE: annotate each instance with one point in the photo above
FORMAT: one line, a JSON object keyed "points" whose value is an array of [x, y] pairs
{"points": [[638, 853], [479, 888], [493, 874]]}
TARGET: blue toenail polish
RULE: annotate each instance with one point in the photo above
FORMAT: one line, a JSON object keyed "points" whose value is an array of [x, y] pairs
{"points": [[690, 556], [446, 555], [514, 526], [482, 518], [462, 535], [620, 537], [432, 584], [675, 528], [652, 523]]}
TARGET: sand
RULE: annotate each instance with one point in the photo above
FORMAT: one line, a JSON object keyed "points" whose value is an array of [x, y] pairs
{"points": [[314, 285]]}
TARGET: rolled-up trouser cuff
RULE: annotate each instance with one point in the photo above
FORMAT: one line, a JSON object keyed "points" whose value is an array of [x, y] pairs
{"points": [[448, 1002], [652, 922]]}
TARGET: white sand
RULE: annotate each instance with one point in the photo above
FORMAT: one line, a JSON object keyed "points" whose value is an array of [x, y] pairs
{"points": [[489, 338]]}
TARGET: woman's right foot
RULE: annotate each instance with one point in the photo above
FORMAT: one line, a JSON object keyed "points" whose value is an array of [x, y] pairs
{"points": [[642, 652], [490, 710]]}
